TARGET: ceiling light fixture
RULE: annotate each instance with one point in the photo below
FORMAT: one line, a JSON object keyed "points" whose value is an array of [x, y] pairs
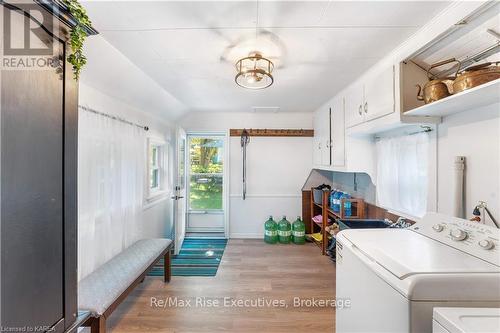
{"points": [[254, 72]]}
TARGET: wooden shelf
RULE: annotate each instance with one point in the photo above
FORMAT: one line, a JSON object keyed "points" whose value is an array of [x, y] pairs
{"points": [[273, 132], [320, 224], [358, 206], [358, 215], [470, 99]]}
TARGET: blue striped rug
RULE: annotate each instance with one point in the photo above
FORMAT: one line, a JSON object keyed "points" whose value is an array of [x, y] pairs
{"points": [[197, 257]]}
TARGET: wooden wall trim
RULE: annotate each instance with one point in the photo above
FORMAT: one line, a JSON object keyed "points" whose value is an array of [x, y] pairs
{"points": [[273, 132]]}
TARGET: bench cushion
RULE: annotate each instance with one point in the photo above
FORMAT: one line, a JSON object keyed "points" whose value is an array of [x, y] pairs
{"points": [[97, 291]]}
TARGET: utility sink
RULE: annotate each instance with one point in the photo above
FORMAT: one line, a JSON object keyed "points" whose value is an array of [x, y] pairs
{"points": [[362, 224]]}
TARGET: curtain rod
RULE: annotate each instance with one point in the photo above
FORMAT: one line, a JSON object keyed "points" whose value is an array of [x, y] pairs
{"points": [[85, 108], [424, 129]]}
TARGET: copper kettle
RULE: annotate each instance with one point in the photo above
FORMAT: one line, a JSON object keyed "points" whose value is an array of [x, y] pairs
{"points": [[436, 89], [476, 75]]}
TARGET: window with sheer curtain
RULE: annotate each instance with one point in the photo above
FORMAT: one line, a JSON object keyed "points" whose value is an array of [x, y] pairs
{"points": [[402, 173], [111, 163]]}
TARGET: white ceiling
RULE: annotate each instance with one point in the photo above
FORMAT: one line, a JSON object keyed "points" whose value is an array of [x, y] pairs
{"points": [[189, 48]]}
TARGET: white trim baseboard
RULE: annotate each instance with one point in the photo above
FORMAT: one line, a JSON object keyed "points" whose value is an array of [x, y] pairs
{"points": [[271, 195], [247, 235]]}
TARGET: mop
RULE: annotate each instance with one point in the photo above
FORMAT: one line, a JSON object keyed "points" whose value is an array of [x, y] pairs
{"points": [[245, 139]]}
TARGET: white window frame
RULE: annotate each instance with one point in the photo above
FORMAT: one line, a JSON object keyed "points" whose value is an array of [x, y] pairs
{"points": [[153, 194]]}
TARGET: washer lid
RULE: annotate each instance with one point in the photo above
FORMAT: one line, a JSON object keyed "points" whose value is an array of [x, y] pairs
{"points": [[404, 253], [468, 320]]}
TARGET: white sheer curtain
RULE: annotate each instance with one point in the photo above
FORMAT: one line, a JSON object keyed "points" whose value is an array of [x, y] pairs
{"points": [[111, 161], [402, 173]]}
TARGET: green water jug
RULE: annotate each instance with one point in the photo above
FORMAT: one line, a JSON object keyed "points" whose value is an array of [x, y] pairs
{"points": [[284, 231], [298, 231], [271, 231]]}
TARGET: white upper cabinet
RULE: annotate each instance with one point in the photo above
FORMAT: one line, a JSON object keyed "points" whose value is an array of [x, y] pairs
{"points": [[317, 151], [370, 99], [354, 113], [326, 140], [321, 142], [329, 134], [379, 94], [338, 132]]}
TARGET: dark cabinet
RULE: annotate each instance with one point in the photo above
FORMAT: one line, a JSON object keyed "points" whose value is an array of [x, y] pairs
{"points": [[38, 172]]}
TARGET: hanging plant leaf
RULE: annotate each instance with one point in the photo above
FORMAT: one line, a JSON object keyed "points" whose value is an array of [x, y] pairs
{"points": [[77, 36]]}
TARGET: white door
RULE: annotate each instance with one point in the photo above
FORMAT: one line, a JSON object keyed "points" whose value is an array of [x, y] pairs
{"points": [[206, 164], [338, 132], [379, 94], [179, 196], [354, 113]]}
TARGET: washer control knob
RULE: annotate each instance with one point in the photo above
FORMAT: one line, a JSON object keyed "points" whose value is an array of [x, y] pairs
{"points": [[437, 227], [486, 244], [458, 234]]}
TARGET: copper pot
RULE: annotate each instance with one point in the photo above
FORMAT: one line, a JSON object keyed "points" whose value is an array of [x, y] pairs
{"points": [[436, 89], [475, 76]]}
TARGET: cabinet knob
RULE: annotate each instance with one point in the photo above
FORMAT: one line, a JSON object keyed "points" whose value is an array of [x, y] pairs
{"points": [[360, 110], [366, 107]]}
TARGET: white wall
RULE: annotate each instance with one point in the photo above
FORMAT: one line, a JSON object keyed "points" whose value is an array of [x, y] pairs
{"points": [[111, 84], [276, 167], [474, 134], [155, 219], [112, 73]]}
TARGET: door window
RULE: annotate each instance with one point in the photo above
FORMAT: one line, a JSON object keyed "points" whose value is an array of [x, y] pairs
{"points": [[205, 173]]}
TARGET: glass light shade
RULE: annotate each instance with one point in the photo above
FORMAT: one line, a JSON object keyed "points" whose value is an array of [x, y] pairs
{"points": [[254, 72]]}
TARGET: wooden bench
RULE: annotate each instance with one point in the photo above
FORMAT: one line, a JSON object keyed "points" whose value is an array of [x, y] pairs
{"points": [[103, 290]]}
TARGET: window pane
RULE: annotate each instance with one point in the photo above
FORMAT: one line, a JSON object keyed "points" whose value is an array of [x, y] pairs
{"points": [[205, 191], [154, 156], [206, 170], [155, 178]]}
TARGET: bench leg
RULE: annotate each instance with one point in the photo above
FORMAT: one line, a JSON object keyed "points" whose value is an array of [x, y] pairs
{"points": [[98, 325], [166, 267]]}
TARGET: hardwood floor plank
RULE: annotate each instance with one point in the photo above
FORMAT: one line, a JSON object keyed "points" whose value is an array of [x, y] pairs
{"points": [[250, 271]]}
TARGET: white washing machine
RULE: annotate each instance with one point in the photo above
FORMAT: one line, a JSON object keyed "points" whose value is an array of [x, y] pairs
{"points": [[466, 320], [393, 278]]}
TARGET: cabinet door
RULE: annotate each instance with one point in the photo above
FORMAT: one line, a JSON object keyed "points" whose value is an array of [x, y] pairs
{"points": [[325, 137], [38, 208], [32, 198], [338, 132], [354, 114], [317, 139], [379, 94]]}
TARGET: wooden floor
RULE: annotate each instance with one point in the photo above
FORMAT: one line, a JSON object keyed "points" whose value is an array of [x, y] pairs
{"points": [[249, 270]]}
